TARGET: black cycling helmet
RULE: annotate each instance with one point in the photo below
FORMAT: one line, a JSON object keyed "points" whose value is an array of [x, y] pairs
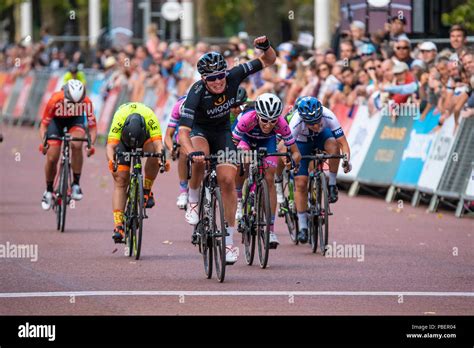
{"points": [[241, 97], [134, 131], [210, 63], [73, 69]]}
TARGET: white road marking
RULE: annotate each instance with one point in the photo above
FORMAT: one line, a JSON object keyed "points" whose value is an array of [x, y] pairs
{"points": [[234, 293]]}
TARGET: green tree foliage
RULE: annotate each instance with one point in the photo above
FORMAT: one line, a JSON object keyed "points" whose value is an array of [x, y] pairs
{"points": [[462, 14]]}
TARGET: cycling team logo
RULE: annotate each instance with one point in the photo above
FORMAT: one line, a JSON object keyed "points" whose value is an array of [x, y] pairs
{"points": [[220, 100]]}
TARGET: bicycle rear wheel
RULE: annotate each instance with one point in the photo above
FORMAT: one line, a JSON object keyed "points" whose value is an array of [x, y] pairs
{"points": [[263, 223], [248, 230], [323, 218], [140, 213], [64, 194], [218, 233]]}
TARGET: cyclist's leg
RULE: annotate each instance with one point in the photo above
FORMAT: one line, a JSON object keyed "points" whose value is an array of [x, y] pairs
{"points": [[53, 153], [76, 128], [270, 170], [301, 178], [200, 143], [151, 171], [243, 147], [226, 173], [119, 197], [182, 169], [301, 190], [326, 141]]}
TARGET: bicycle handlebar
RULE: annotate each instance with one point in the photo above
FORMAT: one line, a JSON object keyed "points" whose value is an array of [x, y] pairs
{"points": [[140, 154], [322, 157]]}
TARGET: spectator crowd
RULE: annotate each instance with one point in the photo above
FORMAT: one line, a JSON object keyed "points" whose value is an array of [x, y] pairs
{"points": [[384, 70]]}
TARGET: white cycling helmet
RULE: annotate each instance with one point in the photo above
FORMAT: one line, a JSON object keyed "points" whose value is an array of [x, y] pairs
{"points": [[74, 91], [268, 106]]}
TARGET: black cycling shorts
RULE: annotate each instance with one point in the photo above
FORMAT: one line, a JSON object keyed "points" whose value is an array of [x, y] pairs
{"points": [[220, 141], [56, 127]]}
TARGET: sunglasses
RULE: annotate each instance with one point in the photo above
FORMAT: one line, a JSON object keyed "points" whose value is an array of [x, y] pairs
{"points": [[265, 121], [371, 68], [402, 48], [215, 77]]}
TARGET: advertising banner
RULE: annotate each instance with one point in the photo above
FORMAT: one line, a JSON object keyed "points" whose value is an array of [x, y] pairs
{"points": [[437, 158], [360, 137], [386, 151], [417, 151]]}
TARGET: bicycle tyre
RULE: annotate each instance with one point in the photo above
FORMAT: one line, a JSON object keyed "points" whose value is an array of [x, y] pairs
{"points": [[314, 221], [64, 194], [263, 234], [218, 234], [132, 226], [291, 218], [140, 213], [324, 215], [205, 242], [248, 231]]}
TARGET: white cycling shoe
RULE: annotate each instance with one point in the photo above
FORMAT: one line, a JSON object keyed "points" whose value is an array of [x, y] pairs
{"points": [[273, 240], [76, 193], [47, 200], [191, 215], [231, 254], [182, 200]]}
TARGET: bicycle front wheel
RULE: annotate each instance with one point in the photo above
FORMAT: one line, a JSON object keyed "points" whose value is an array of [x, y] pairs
{"points": [[64, 195], [139, 215], [218, 233], [323, 220], [314, 209], [248, 230], [205, 240], [263, 222]]}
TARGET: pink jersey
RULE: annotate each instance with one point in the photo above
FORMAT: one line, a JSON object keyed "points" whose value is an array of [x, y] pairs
{"points": [[248, 126], [175, 113]]}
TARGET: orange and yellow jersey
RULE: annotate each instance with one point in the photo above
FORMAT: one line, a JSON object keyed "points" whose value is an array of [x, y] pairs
{"points": [[58, 107]]}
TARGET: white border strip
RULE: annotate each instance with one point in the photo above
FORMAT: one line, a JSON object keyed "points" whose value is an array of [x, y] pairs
{"points": [[234, 293]]}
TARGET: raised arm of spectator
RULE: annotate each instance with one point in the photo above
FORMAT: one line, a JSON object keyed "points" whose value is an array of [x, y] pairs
{"points": [[408, 88]]}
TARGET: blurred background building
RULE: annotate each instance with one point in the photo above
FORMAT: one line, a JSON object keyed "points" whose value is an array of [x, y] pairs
{"points": [[113, 22]]}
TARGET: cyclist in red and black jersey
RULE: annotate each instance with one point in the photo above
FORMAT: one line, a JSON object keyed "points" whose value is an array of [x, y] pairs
{"points": [[205, 127]]}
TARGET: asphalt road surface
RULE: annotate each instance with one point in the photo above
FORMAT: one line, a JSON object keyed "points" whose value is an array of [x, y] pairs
{"points": [[413, 262]]}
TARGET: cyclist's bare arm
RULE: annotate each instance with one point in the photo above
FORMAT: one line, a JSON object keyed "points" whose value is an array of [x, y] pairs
{"points": [[185, 140], [169, 138], [344, 145], [269, 56], [110, 151], [93, 134]]}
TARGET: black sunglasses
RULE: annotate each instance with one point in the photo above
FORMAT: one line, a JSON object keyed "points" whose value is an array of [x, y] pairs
{"points": [[214, 77]]}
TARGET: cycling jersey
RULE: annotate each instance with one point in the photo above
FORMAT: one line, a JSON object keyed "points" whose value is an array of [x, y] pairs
{"points": [[79, 76], [209, 110], [175, 113], [248, 127], [152, 125], [58, 108], [302, 133]]}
